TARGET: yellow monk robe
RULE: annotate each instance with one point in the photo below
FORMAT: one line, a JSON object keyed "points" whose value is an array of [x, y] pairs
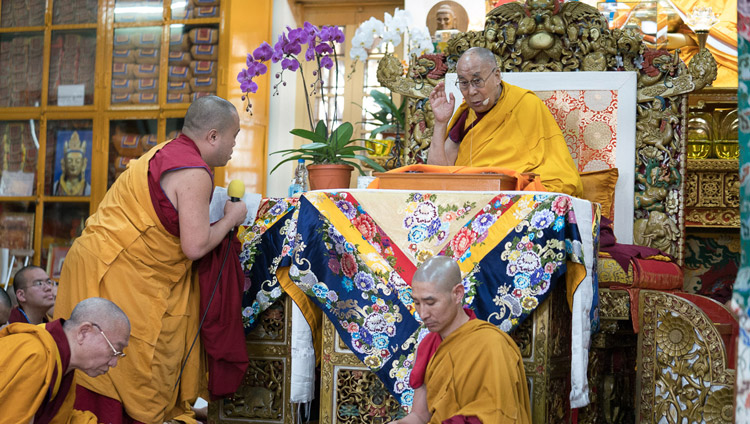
{"points": [[722, 38], [519, 133], [126, 255], [478, 371], [29, 361]]}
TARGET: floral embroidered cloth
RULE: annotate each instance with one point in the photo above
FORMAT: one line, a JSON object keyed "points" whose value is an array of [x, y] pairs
{"points": [[353, 254]]}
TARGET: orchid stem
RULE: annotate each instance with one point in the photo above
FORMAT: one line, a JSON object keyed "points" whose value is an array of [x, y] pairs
{"points": [[307, 97]]}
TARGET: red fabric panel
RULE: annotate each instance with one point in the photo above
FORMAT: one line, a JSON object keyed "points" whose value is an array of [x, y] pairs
{"points": [[657, 275], [460, 419], [222, 334], [106, 409], [16, 316]]}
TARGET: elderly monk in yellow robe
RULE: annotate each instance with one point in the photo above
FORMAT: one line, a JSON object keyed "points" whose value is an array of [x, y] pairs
{"points": [[38, 362], [467, 370], [499, 125], [138, 249]]}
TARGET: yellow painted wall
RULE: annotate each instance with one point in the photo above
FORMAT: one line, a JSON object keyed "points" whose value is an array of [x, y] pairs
{"points": [[248, 24]]}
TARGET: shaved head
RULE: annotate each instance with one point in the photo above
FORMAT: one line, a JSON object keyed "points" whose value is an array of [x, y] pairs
{"points": [[97, 310], [484, 55], [439, 270], [21, 280], [5, 299], [208, 112], [5, 306]]}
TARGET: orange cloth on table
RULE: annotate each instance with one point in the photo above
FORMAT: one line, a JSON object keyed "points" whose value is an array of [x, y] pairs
{"points": [[29, 365], [722, 39], [519, 133], [125, 244], [478, 371], [522, 182]]}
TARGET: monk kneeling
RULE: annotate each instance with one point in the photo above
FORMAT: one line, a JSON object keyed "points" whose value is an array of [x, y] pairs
{"points": [[467, 370]]}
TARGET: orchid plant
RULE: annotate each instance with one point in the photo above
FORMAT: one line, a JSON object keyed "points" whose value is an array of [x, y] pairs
{"points": [[374, 33], [330, 146]]}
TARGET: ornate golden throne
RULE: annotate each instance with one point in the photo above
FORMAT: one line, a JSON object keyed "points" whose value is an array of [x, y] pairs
{"points": [[544, 36], [677, 366]]}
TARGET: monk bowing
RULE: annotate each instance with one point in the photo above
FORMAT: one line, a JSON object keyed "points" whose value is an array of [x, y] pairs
{"points": [[37, 362]]}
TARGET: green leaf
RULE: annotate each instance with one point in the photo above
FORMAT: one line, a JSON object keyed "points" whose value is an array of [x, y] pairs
{"points": [[321, 130], [289, 159], [314, 146], [352, 150], [387, 104], [343, 135], [382, 128], [374, 165], [309, 135]]}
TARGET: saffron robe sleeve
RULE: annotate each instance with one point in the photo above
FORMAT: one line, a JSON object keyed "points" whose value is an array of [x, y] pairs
{"points": [[519, 133], [477, 371]]}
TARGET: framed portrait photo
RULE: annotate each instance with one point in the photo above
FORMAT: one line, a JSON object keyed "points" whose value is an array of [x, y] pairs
{"points": [[72, 176], [55, 259]]}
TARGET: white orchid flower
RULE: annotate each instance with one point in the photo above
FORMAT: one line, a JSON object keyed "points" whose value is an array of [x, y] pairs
{"points": [[393, 37], [358, 53]]}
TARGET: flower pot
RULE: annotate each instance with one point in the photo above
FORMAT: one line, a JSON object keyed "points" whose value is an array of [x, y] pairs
{"points": [[327, 176]]}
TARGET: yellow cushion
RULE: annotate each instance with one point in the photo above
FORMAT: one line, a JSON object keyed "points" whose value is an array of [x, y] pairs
{"points": [[599, 187]]}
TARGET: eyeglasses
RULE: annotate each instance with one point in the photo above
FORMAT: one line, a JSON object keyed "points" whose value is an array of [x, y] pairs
{"points": [[40, 283], [476, 82], [119, 355]]}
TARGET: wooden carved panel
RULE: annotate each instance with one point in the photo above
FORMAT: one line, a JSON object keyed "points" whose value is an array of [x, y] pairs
{"points": [[712, 193], [264, 392], [682, 365]]}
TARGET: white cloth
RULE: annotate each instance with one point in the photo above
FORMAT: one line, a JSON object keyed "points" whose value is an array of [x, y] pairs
{"points": [[582, 303], [303, 359]]}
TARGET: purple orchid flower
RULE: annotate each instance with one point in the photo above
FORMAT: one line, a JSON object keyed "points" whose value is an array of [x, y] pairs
{"points": [[290, 64], [298, 36], [246, 82], [263, 53], [323, 48], [310, 54]]}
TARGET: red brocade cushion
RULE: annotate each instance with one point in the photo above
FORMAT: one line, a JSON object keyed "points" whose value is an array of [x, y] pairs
{"points": [[653, 274]]}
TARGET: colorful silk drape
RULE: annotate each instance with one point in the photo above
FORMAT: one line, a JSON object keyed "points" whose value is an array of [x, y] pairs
{"points": [[353, 254]]}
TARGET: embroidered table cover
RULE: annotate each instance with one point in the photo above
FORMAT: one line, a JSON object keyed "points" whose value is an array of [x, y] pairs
{"points": [[353, 254]]}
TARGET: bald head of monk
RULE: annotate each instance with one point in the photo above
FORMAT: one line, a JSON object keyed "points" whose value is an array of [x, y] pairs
{"points": [[5, 307], [213, 124], [479, 79], [97, 331], [438, 295]]}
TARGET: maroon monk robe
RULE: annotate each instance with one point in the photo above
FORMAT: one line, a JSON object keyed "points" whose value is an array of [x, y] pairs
{"points": [[49, 407]]}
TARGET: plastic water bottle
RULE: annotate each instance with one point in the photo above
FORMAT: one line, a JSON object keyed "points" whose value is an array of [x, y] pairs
{"points": [[299, 182]]}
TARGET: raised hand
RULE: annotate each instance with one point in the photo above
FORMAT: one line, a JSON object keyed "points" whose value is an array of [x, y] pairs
{"points": [[442, 106]]}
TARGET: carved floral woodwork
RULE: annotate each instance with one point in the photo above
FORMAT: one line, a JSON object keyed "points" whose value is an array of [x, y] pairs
{"points": [[263, 395], [683, 373], [549, 35]]}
